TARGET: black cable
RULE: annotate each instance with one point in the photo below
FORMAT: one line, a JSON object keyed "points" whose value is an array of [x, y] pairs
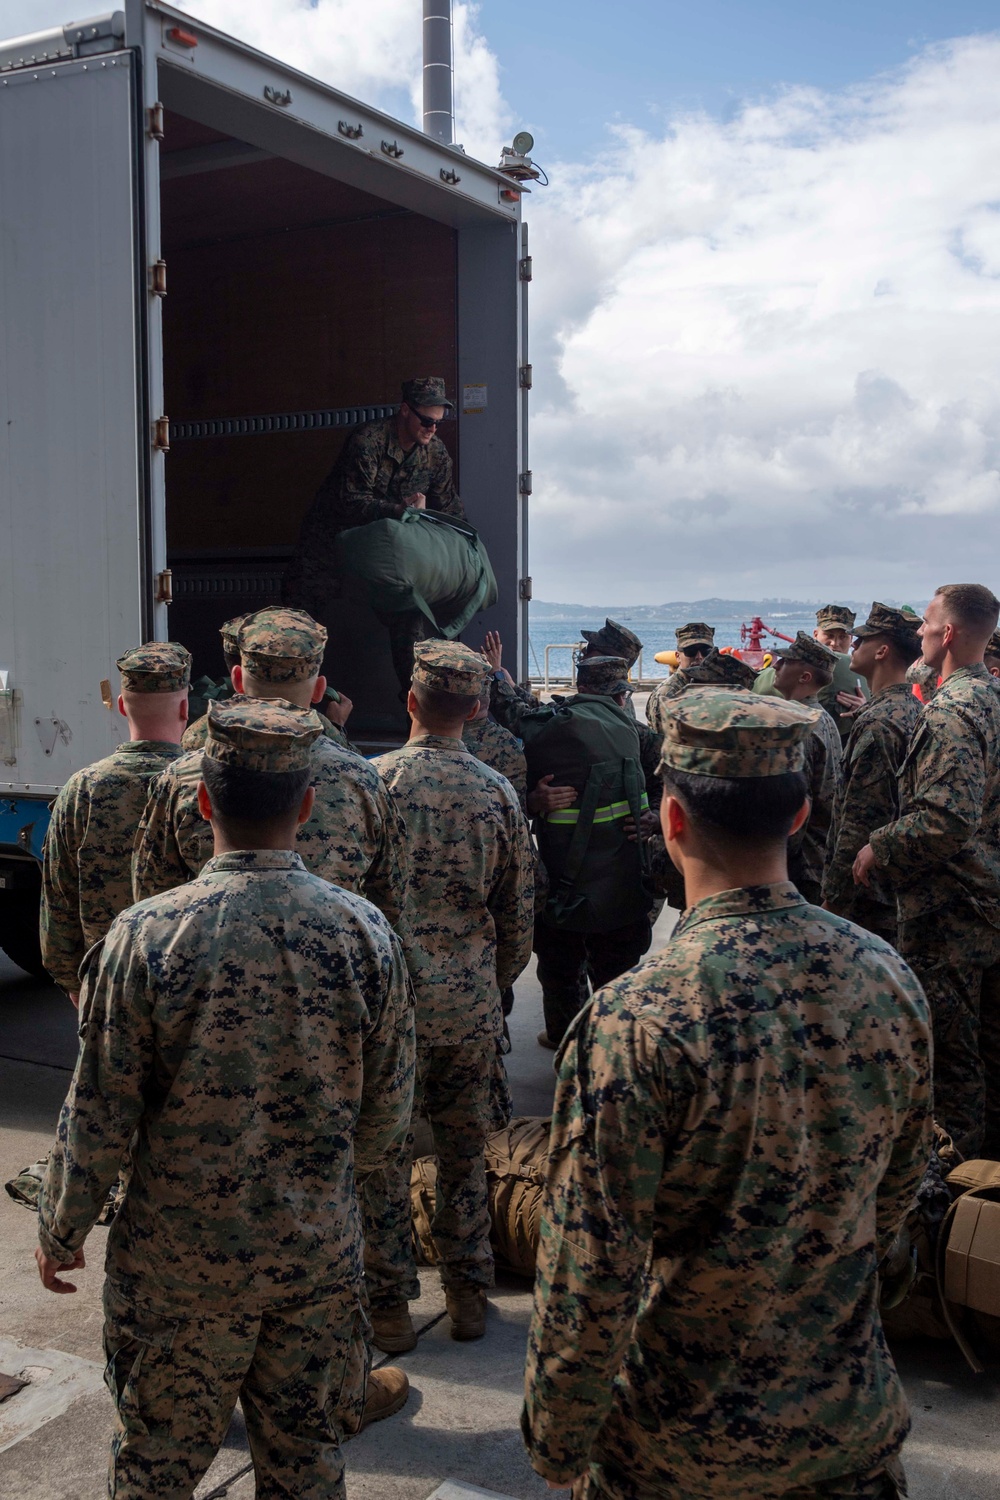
{"points": [[223, 1488], [34, 1063]]}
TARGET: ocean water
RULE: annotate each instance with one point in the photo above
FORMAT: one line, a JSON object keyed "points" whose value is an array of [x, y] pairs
{"points": [[655, 636]]}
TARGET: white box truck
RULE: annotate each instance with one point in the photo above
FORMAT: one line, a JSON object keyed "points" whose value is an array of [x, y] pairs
{"points": [[211, 267]]}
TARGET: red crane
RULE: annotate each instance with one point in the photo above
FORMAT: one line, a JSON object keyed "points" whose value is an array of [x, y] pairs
{"points": [[751, 642]]}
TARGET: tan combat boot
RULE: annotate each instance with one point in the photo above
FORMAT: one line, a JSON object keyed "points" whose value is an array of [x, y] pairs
{"points": [[467, 1311], [385, 1395], [392, 1329]]}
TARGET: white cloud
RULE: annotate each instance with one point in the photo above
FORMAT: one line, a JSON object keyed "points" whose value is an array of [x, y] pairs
{"points": [[372, 50], [766, 349]]}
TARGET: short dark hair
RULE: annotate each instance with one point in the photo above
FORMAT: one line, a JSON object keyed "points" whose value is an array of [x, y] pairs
{"points": [[742, 809], [822, 676], [442, 705], [972, 604], [241, 796], [907, 647]]}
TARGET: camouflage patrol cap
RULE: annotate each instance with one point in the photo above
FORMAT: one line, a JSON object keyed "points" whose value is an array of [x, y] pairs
{"points": [[724, 668], [281, 645], [261, 734], [993, 645], [614, 640], [230, 633], [603, 675], [727, 733], [426, 390], [809, 651], [157, 667], [451, 668], [835, 617], [694, 634], [884, 620]]}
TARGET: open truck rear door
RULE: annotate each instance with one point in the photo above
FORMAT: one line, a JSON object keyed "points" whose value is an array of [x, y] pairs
{"points": [[71, 487], [72, 526]]}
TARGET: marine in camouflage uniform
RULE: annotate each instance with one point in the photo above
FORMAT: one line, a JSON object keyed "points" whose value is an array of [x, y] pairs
{"points": [[196, 733], [717, 670], [354, 836], [695, 642], [739, 1128], [941, 856], [991, 656], [836, 618], [495, 746], [257, 1066], [469, 913], [381, 465], [807, 848], [87, 855], [868, 795]]}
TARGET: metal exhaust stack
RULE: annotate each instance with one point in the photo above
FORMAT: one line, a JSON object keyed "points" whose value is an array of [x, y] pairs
{"points": [[439, 114]]}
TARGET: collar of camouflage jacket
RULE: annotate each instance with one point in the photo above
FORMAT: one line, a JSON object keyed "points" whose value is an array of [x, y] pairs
{"points": [[247, 860], [977, 669], [746, 901], [143, 747], [436, 742]]}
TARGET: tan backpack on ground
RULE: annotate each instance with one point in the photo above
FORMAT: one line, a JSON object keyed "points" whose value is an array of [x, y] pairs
{"points": [[516, 1161]]}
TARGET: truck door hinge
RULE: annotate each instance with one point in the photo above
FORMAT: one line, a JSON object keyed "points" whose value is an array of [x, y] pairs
{"points": [[158, 278], [164, 590], [155, 117], [524, 590], [161, 434], [524, 484], [524, 268], [524, 377]]}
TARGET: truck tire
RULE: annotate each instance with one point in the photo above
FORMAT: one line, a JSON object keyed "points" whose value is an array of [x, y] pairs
{"points": [[19, 933]]}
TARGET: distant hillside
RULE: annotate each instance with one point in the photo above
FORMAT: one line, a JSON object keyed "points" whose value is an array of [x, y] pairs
{"points": [[692, 609]]}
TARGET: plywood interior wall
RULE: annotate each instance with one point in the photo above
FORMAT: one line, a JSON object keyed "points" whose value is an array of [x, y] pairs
{"points": [[287, 291]]}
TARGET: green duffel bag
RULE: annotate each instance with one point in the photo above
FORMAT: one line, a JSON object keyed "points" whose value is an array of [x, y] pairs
{"points": [[426, 561]]}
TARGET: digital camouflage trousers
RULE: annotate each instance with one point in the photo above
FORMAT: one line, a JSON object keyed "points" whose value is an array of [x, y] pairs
{"points": [[453, 1090], [957, 960], [299, 1372]]}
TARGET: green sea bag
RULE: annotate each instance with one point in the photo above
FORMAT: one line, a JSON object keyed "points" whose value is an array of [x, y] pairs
{"points": [[426, 561]]}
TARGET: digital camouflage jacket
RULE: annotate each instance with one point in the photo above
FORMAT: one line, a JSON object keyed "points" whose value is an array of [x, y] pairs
{"points": [[807, 848], [354, 835], [195, 734], [740, 1126], [944, 848], [253, 1032], [868, 798], [470, 900], [87, 855], [497, 747]]}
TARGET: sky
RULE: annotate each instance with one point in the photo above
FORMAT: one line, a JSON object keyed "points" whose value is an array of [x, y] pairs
{"points": [[766, 300]]}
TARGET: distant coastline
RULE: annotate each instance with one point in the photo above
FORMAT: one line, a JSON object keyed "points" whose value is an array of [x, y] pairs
{"points": [[714, 610], [553, 629]]}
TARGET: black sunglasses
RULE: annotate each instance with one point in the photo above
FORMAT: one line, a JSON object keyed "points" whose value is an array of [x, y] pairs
{"points": [[695, 650], [425, 421]]}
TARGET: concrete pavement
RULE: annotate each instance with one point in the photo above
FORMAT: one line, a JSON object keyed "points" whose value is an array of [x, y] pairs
{"points": [[458, 1435]]}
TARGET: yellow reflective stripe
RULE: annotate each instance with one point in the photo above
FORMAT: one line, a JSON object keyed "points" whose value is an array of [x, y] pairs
{"points": [[608, 814]]}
